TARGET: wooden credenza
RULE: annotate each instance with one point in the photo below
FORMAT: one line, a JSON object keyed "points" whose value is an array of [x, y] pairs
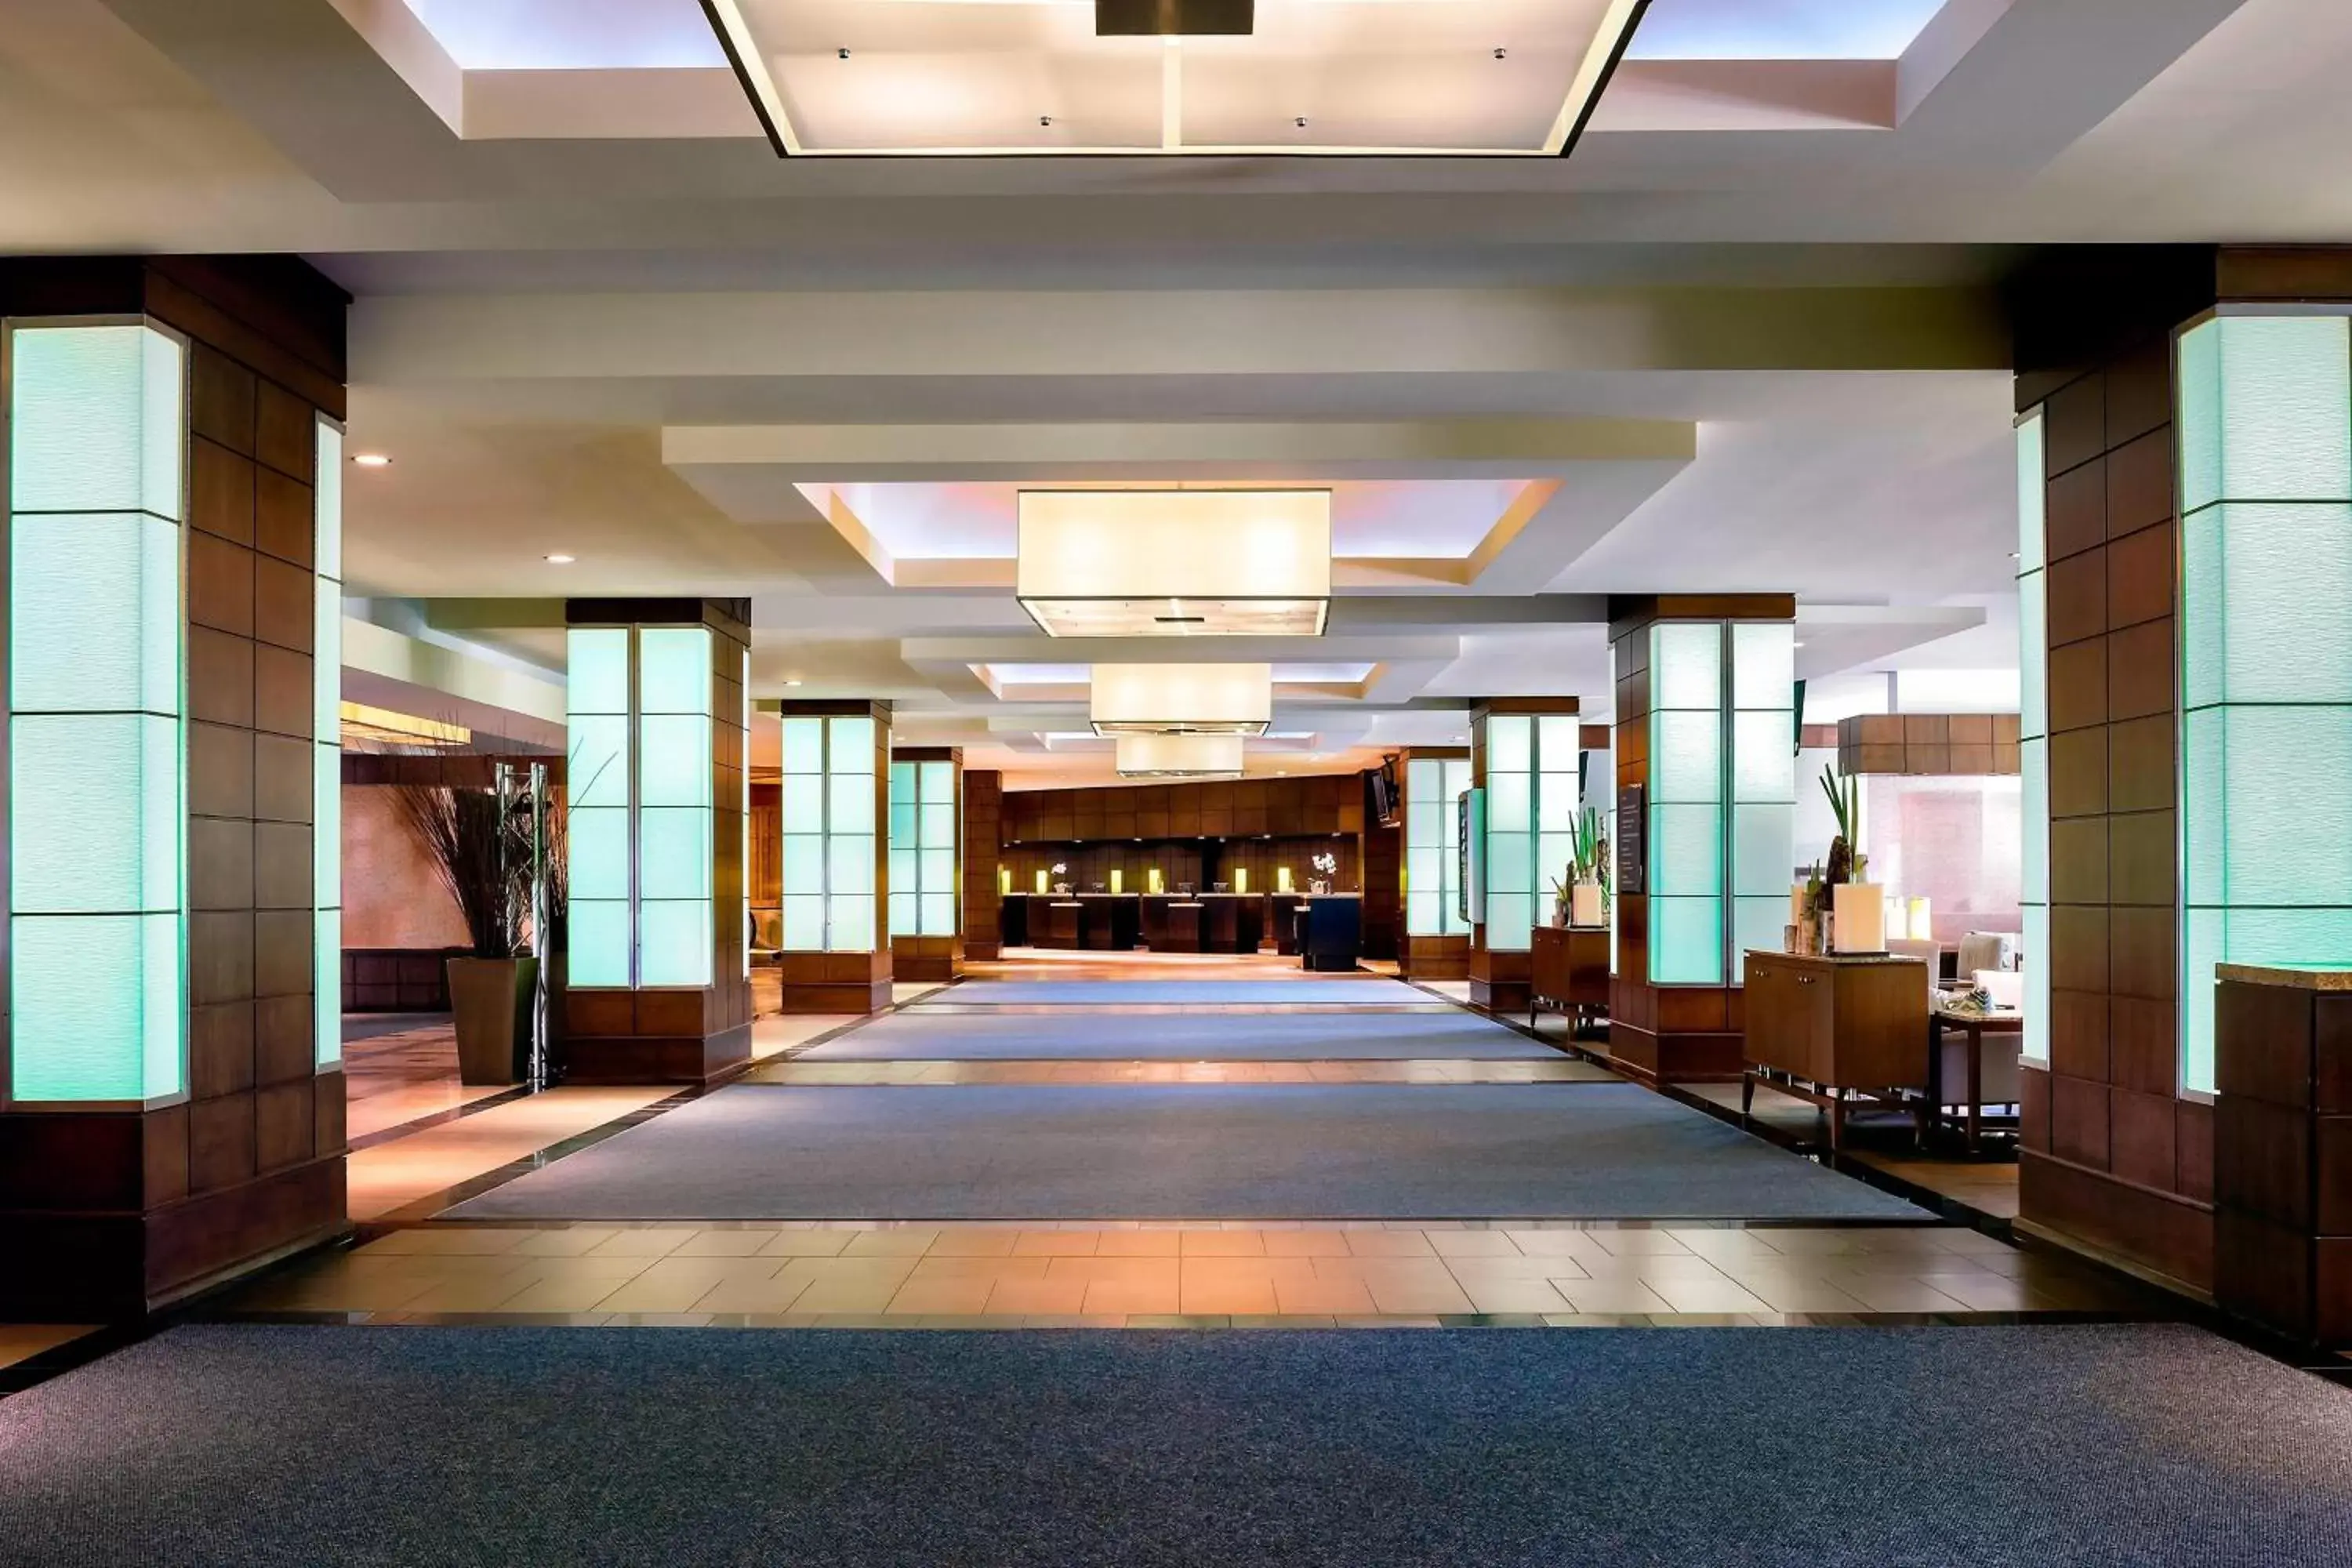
{"points": [[1567, 971], [1836, 1030]]}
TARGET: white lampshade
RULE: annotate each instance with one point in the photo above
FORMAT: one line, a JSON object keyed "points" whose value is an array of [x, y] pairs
{"points": [[1179, 756], [1181, 698], [1176, 562]]}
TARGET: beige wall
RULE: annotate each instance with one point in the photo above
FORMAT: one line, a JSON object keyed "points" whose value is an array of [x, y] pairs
{"points": [[392, 897]]}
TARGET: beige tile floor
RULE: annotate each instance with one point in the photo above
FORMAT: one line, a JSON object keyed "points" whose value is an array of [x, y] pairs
{"points": [[1111, 1275], [394, 1175]]}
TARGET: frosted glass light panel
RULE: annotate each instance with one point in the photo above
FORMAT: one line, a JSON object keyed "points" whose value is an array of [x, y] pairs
{"points": [[1686, 884], [597, 808], [326, 731], [1433, 870], [1514, 884], [830, 833], [96, 806], [925, 870], [2033, 749], [676, 820], [1763, 785], [2266, 419]]}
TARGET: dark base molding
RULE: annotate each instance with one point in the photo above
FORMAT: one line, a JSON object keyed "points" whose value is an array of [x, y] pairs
{"points": [[2157, 1233], [1653, 1058], [94, 1266], [656, 1058], [837, 996]]}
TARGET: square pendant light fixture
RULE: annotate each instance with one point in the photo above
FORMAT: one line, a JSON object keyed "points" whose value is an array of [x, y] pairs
{"points": [[1176, 562], [1181, 698], [1159, 78], [1179, 756]]}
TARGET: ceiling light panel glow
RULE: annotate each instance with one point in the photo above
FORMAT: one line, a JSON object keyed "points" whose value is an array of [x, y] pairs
{"points": [[1780, 30], [1179, 756], [1176, 562], [1181, 698], [1510, 77], [571, 34]]}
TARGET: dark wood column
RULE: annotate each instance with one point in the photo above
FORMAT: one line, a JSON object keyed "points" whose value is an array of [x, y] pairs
{"points": [[1666, 1033], [108, 1210], [983, 851]]}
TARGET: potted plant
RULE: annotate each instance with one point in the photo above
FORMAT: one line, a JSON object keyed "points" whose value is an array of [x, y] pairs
{"points": [[1857, 909], [1327, 863], [491, 988]]}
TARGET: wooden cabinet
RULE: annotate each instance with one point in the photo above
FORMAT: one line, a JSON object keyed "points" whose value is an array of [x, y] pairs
{"points": [[1567, 971], [1834, 1030]]}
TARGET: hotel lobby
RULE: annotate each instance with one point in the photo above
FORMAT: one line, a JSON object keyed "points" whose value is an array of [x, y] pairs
{"points": [[1192, 781]]}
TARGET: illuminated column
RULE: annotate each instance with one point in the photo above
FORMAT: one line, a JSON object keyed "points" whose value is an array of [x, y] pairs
{"points": [[2265, 430], [1523, 761], [837, 865], [1436, 943], [926, 862], [171, 1092], [657, 985], [1707, 735]]}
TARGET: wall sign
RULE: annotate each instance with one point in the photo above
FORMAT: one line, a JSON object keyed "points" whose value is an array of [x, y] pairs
{"points": [[1633, 861]]}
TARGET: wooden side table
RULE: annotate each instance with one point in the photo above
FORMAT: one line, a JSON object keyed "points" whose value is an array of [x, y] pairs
{"points": [[1978, 1026]]}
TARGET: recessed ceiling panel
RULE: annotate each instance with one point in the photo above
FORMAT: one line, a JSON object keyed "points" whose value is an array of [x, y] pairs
{"points": [[1328, 77]]}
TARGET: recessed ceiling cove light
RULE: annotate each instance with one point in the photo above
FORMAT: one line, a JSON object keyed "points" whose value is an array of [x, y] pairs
{"points": [[1175, 562], [1180, 698], [371, 460], [1180, 757], [1227, 76], [560, 560]]}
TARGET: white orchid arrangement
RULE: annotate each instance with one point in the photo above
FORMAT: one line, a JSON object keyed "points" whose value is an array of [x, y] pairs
{"points": [[1327, 863], [1059, 869]]}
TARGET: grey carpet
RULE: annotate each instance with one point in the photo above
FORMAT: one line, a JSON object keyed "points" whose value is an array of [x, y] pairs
{"points": [[318, 1448], [1365, 990], [1180, 1036], [1194, 1150]]}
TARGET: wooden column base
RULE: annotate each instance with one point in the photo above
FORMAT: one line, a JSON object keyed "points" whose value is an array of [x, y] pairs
{"points": [[1653, 1058], [928, 958], [837, 981], [656, 1058], [1500, 981], [981, 952], [1434, 957]]}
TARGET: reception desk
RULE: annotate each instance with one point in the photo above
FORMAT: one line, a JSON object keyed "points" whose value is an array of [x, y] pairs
{"points": [[1837, 1031]]}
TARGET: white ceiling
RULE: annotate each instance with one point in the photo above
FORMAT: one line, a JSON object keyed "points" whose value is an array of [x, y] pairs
{"points": [[1749, 331]]}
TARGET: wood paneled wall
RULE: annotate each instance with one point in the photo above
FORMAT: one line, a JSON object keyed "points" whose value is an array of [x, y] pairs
{"points": [[1960, 744], [1322, 802], [1185, 861], [983, 842]]}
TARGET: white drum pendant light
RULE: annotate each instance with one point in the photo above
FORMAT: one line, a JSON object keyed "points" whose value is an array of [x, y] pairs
{"points": [[1179, 756], [1176, 562], [1181, 698]]}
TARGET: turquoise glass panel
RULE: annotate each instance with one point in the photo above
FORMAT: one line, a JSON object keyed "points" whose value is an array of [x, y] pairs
{"points": [[2033, 677], [849, 864], [2287, 808], [849, 922], [1510, 806], [674, 765], [96, 420], [1685, 941], [1510, 922], [1424, 821], [674, 941], [1511, 863], [674, 853], [939, 914], [1686, 850], [1764, 756], [597, 844], [1556, 802], [1686, 665], [1763, 663], [327, 503], [852, 745], [2204, 943], [904, 826], [938, 871], [81, 589], [2204, 806], [2204, 656], [81, 993], [938, 783], [1422, 912], [2033, 806], [2032, 493], [2287, 584], [2266, 409], [1763, 851], [77, 849], [1558, 742], [804, 922], [804, 746], [327, 664], [1758, 924], [938, 828], [902, 870], [327, 835], [1555, 856], [327, 966], [1685, 757], [598, 767], [906, 914], [803, 798], [674, 669], [598, 938], [1510, 744], [804, 865], [596, 670], [849, 803]]}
